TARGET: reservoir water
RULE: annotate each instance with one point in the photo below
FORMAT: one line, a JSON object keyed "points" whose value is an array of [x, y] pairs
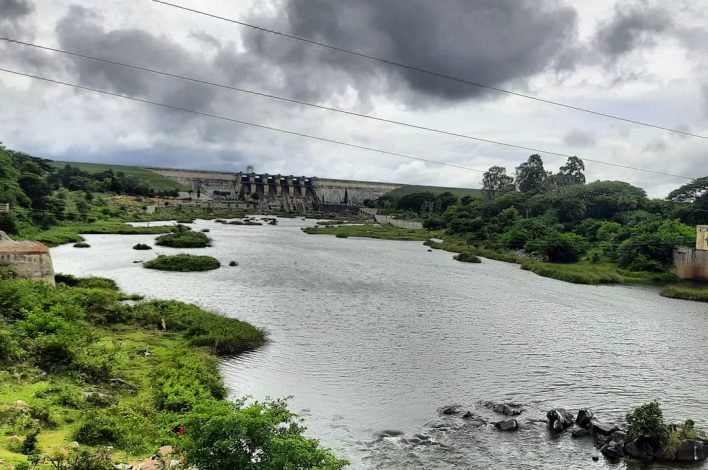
{"points": [[372, 337]]}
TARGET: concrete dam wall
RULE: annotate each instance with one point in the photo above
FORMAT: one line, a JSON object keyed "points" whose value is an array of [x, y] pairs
{"points": [[278, 191], [31, 260], [691, 263]]}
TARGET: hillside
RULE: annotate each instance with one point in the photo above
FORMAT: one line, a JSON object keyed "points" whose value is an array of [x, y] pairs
{"points": [[436, 190], [154, 180]]}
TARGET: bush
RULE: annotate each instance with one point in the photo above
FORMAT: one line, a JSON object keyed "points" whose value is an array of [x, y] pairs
{"points": [[82, 245], [127, 427], [273, 435], [647, 423], [142, 246], [184, 239], [86, 282], [559, 247], [82, 459], [467, 257], [183, 263]]}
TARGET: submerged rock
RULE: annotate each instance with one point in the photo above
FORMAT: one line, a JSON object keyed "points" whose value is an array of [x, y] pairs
{"points": [[691, 451], [578, 432], [507, 425], [449, 410]]}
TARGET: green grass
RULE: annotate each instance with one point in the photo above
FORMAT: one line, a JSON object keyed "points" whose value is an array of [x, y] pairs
{"points": [[184, 239], [589, 273], [149, 177], [459, 192], [183, 263], [70, 232], [699, 294], [383, 232], [467, 257]]}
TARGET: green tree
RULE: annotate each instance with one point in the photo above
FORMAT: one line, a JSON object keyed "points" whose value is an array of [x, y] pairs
{"points": [[531, 176], [571, 172], [496, 181], [261, 436]]}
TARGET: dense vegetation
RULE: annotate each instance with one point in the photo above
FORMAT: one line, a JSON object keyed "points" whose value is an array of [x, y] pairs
{"points": [[184, 238], [559, 219], [182, 263], [90, 368]]}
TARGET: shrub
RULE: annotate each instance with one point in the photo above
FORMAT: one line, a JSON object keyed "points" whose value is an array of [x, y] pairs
{"points": [[183, 263], [29, 446], [559, 247], [86, 282], [467, 257], [647, 423], [271, 435], [82, 245], [127, 427], [142, 246], [82, 459], [184, 239], [342, 235]]}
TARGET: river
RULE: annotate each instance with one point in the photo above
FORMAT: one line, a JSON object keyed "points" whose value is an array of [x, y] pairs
{"points": [[370, 336]]}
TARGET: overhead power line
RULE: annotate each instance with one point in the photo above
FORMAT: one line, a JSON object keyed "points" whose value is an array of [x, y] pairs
{"points": [[238, 121], [429, 72], [328, 108]]}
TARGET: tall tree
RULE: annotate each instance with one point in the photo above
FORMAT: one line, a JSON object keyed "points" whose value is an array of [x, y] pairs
{"points": [[496, 181], [695, 192], [531, 176], [571, 172]]}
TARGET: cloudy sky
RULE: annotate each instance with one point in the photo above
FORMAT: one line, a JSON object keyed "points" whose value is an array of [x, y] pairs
{"points": [[640, 59]]}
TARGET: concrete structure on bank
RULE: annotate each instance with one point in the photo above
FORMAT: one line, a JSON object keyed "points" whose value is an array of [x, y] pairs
{"points": [[692, 263], [29, 259], [277, 191]]}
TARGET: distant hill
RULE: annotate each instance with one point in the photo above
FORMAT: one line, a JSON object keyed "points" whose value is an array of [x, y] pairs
{"points": [[149, 177], [459, 192]]}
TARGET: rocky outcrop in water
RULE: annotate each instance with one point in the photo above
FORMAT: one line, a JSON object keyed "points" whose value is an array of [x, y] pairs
{"points": [[559, 419]]}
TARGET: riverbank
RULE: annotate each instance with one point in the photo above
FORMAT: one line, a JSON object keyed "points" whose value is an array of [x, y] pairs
{"points": [[82, 370], [582, 272]]}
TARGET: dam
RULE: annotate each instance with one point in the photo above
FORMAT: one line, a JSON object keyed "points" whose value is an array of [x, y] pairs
{"points": [[278, 191]]}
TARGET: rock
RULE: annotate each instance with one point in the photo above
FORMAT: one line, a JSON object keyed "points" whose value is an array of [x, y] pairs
{"points": [[165, 451], [118, 382], [233, 263], [584, 418], [603, 428], [578, 432], [73, 445], [99, 399], [559, 419], [595, 458], [507, 425], [633, 450], [691, 451], [612, 451], [618, 436], [507, 409], [390, 433], [123, 466], [449, 410]]}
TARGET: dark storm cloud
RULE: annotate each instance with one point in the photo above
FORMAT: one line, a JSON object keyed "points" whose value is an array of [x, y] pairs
{"points": [[489, 41], [11, 10], [631, 28]]}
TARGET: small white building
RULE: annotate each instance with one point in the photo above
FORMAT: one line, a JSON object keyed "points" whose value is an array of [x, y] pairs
{"points": [[702, 237]]}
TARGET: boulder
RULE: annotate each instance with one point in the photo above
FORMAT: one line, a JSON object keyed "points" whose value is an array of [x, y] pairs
{"points": [[691, 451], [579, 432], [507, 409], [507, 425], [559, 419], [584, 418], [449, 410], [603, 428], [613, 451]]}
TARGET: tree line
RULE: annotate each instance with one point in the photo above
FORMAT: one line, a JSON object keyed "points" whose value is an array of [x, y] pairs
{"points": [[561, 218]]}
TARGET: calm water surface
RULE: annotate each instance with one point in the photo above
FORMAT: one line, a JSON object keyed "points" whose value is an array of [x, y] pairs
{"points": [[371, 336]]}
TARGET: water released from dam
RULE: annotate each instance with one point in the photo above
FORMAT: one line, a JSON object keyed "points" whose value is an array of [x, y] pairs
{"points": [[372, 337]]}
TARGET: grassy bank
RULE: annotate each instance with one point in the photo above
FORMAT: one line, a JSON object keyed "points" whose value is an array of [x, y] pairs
{"points": [[70, 232], [182, 263], [77, 364], [699, 294], [145, 176], [384, 232]]}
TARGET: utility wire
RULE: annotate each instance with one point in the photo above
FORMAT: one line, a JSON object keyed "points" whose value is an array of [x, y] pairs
{"points": [[327, 108], [246, 123], [429, 72]]}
